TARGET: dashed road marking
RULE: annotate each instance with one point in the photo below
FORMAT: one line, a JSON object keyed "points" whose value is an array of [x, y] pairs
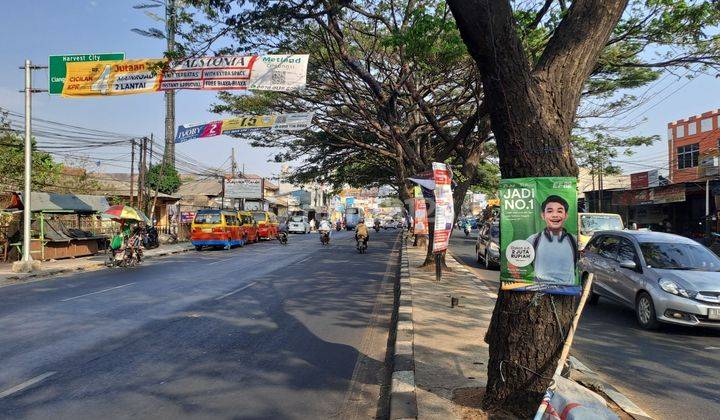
{"points": [[223, 260], [247, 286], [26, 384], [99, 291]]}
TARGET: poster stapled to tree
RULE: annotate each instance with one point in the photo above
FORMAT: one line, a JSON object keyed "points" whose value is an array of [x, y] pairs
{"points": [[538, 235], [420, 219], [444, 211]]}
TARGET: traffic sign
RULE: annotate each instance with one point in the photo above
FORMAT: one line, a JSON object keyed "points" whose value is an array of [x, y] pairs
{"points": [[57, 71]]}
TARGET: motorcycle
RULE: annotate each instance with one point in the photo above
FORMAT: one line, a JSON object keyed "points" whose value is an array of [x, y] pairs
{"points": [[128, 255], [151, 238], [325, 238], [376, 226], [361, 245], [283, 238], [338, 226]]}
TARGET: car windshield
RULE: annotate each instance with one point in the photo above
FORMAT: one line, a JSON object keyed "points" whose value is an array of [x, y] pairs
{"points": [[207, 218], [260, 217], [676, 256], [596, 222]]}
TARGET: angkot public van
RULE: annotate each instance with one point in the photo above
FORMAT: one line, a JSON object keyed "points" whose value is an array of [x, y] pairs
{"points": [[219, 228]]}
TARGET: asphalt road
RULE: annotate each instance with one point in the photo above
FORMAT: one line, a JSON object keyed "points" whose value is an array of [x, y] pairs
{"points": [[671, 374], [263, 331]]}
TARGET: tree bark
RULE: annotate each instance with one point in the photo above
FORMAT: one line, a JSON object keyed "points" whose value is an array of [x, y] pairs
{"points": [[532, 111]]}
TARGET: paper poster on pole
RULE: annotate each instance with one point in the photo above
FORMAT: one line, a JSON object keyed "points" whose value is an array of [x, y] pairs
{"points": [[420, 218], [123, 77], [231, 126], [444, 211], [538, 235]]}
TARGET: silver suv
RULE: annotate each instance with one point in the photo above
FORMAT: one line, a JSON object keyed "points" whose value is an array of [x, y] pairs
{"points": [[664, 277]]}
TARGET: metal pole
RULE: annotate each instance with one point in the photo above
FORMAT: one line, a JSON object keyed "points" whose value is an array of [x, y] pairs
{"points": [[28, 163], [222, 200], [707, 208], [132, 172]]}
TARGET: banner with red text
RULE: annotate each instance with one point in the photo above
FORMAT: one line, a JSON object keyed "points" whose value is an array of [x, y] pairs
{"points": [[444, 211]]}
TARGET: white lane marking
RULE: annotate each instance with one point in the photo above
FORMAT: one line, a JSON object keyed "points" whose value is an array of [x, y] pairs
{"points": [[99, 291], [303, 260], [236, 291], [223, 260], [712, 348], [26, 384]]}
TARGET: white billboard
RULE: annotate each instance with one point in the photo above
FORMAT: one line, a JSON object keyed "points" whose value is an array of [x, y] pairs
{"points": [[244, 188]]}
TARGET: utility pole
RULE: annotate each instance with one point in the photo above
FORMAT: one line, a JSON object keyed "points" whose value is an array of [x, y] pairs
{"points": [[132, 172], [233, 164], [170, 22], [600, 183], [141, 170], [26, 264]]}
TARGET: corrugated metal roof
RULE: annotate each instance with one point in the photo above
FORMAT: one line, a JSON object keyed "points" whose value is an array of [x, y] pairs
{"points": [[51, 202]]}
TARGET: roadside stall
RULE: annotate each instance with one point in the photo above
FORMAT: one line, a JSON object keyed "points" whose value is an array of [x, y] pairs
{"points": [[64, 225]]}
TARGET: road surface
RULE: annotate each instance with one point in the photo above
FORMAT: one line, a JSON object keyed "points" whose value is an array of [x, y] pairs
{"points": [[263, 331], [671, 373]]}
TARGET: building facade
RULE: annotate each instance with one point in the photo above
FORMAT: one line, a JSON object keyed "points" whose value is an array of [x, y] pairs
{"points": [[693, 146]]}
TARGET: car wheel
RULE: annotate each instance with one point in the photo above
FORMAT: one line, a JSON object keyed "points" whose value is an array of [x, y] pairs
{"points": [[645, 312]]}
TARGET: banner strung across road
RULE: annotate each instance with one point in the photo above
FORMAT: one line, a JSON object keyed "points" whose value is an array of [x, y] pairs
{"points": [[444, 211], [124, 77], [538, 235], [230, 126]]}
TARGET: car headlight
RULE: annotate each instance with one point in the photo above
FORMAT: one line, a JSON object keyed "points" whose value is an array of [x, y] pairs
{"points": [[673, 288], [494, 246]]}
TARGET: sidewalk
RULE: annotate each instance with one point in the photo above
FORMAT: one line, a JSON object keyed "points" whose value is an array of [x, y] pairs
{"points": [[95, 262], [441, 358]]}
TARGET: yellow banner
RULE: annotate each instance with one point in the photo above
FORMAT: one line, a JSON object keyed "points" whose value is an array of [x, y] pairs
{"points": [[248, 121], [112, 77]]}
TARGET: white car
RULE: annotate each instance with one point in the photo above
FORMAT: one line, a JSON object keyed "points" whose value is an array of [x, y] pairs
{"points": [[298, 224]]}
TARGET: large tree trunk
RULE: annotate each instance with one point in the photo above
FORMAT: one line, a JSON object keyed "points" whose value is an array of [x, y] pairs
{"points": [[532, 111]]}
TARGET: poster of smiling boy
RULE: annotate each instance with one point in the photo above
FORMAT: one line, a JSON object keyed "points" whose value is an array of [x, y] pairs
{"points": [[538, 235]]}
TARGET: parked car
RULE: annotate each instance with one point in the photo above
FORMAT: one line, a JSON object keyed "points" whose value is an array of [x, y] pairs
{"points": [[487, 246], [663, 277], [267, 224], [249, 227], [589, 223], [216, 228], [389, 224], [298, 222]]}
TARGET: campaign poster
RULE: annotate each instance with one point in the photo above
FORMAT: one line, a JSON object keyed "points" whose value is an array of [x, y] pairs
{"points": [[420, 218], [444, 211], [538, 235]]}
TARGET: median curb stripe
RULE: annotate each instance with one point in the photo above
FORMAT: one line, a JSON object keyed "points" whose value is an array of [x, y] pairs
{"points": [[403, 396]]}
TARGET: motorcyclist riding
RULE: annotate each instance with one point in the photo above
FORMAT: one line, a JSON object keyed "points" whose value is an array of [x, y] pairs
{"points": [[325, 228], [361, 232]]}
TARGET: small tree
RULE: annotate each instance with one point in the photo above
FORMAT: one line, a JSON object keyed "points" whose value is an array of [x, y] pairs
{"points": [[163, 177]]}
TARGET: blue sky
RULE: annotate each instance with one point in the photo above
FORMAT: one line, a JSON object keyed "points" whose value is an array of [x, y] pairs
{"points": [[35, 29]]}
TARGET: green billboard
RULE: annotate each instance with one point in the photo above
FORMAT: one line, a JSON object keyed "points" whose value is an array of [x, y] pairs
{"points": [[57, 71], [538, 235]]}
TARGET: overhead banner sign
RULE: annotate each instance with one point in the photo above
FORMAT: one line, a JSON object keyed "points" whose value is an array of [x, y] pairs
{"points": [[57, 67], [123, 77], [287, 122], [444, 211], [538, 235], [251, 188]]}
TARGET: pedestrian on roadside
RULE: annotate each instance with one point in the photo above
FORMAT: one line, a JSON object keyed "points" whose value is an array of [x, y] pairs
{"points": [[312, 225]]}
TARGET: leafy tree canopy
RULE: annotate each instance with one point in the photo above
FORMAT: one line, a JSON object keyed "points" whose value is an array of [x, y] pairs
{"points": [[163, 177]]}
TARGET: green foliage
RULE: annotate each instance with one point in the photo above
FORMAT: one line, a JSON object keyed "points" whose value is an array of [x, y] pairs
{"points": [[164, 178], [488, 179], [45, 171], [599, 150]]}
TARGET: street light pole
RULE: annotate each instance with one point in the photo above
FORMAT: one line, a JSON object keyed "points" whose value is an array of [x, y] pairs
{"points": [[26, 264], [28, 164]]}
